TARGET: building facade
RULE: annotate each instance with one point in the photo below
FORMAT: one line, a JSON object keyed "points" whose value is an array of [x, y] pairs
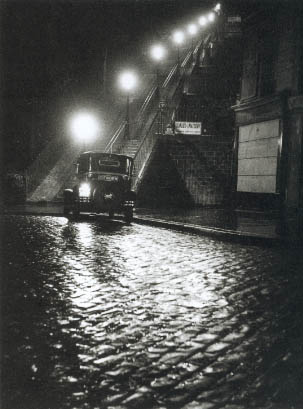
{"points": [[268, 162]]}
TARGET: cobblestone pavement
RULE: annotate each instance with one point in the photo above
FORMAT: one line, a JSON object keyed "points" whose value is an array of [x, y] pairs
{"points": [[109, 315]]}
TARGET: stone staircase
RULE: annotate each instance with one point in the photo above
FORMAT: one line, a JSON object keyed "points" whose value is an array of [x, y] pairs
{"points": [[130, 147]]}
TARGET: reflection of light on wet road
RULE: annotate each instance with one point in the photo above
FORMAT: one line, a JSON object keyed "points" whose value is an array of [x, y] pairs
{"points": [[92, 292], [85, 235], [181, 286], [144, 287], [140, 278], [133, 311]]}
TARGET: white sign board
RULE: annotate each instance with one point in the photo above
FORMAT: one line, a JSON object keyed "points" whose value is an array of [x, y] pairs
{"points": [[188, 128], [258, 157], [234, 19]]}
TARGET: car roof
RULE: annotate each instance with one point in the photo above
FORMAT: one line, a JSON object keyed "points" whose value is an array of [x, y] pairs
{"points": [[118, 155]]}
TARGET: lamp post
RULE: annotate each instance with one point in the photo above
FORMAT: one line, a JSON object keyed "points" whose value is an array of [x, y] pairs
{"points": [[127, 82], [157, 53], [84, 127], [178, 38]]}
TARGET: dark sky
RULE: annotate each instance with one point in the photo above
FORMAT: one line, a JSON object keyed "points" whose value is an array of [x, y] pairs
{"points": [[47, 43]]}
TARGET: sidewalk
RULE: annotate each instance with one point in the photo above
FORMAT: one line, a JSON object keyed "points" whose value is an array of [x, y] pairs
{"points": [[223, 224], [219, 223]]}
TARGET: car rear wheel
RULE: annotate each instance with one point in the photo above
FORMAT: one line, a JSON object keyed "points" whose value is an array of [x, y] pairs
{"points": [[128, 215], [67, 201]]}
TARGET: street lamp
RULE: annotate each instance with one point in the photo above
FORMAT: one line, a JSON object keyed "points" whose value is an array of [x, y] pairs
{"points": [[128, 81], [85, 127], [218, 8], [211, 17], [192, 30], [157, 53], [202, 21], [178, 38]]}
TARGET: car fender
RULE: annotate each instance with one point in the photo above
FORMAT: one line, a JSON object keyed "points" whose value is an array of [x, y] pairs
{"points": [[68, 195], [131, 195]]}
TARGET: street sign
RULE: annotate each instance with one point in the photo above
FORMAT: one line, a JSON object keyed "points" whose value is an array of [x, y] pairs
{"points": [[188, 128], [234, 19]]}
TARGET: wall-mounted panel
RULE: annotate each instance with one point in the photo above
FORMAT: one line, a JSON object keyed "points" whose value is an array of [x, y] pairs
{"points": [[260, 130], [257, 166], [257, 184], [258, 157], [256, 149]]}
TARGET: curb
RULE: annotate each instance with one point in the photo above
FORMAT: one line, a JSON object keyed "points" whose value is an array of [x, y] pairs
{"points": [[220, 234]]}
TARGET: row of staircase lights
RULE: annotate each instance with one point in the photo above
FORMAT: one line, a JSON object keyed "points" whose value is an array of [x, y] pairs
{"points": [[85, 126], [128, 79]]}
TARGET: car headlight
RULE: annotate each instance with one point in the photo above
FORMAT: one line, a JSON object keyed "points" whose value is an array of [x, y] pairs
{"points": [[84, 190]]}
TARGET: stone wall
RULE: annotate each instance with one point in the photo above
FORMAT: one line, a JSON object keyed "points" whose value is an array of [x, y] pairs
{"points": [[188, 171], [285, 66]]}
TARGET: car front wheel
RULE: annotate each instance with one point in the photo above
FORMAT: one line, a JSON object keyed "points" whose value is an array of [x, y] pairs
{"points": [[66, 210], [76, 209]]}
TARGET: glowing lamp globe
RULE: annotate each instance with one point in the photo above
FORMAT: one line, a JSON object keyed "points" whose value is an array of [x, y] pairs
{"points": [[178, 37], [157, 52], [128, 80], [84, 127], [192, 29]]}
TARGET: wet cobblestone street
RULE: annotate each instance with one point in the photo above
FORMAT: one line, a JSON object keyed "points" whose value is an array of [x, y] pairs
{"points": [[108, 315]]}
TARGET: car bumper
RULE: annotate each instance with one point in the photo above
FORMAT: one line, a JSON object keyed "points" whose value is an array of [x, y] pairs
{"points": [[87, 204]]}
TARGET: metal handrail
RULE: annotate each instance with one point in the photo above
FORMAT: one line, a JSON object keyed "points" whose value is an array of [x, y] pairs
{"points": [[110, 144], [174, 77], [170, 76], [147, 100], [148, 143], [140, 115], [143, 153], [146, 104], [149, 140]]}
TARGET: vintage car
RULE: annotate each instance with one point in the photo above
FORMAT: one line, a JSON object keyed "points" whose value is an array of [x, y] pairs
{"points": [[103, 185]]}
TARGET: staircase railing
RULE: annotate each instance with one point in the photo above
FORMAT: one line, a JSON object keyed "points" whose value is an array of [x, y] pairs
{"points": [[116, 141], [150, 104], [156, 130], [171, 90], [117, 136], [142, 124]]}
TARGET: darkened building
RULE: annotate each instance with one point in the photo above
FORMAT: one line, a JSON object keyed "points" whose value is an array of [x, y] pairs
{"points": [[269, 115]]}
